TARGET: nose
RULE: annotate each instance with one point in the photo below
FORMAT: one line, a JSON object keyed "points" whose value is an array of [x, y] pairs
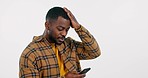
{"points": [[64, 33]]}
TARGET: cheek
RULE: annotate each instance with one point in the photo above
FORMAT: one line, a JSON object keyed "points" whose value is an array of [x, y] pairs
{"points": [[52, 33], [56, 33]]}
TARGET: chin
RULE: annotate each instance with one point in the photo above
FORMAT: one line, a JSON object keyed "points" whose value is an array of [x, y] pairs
{"points": [[59, 43]]}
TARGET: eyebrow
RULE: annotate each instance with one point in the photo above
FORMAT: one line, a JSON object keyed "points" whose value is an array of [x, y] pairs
{"points": [[63, 27]]}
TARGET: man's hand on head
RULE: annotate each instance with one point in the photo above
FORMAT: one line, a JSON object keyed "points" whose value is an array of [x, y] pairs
{"points": [[73, 20]]}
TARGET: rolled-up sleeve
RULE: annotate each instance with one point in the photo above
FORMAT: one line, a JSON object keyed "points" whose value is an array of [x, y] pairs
{"points": [[88, 48]]}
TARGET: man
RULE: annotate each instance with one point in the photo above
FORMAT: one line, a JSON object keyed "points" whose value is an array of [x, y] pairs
{"points": [[51, 55]]}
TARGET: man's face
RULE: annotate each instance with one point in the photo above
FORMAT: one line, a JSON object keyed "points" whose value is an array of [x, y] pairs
{"points": [[58, 30]]}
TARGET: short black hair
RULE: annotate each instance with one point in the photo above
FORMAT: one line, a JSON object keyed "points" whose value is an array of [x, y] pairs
{"points": [[55, 12]]}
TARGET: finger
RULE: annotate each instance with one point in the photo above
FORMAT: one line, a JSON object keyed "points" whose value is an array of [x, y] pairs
{"points": [[69, 14], [83, 75], [79, 75], [66, 9]]}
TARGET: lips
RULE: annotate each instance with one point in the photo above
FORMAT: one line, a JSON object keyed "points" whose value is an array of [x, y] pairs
{"points": [[61, 39]]}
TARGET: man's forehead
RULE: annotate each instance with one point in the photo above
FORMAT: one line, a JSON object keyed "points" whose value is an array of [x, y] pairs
{"points": [[62, 20]]}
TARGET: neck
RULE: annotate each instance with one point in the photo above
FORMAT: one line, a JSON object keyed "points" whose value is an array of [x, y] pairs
{"points": [[46, 35]]}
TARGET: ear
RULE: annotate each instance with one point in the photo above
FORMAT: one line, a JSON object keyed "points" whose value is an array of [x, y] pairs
{"points": [[47, 25]]}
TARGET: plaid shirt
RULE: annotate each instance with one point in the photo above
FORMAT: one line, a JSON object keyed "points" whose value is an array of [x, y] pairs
{"points": [[38, 60]]}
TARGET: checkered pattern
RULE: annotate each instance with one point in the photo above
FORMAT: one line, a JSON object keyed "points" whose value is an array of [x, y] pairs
{"points": [[38, 60]]}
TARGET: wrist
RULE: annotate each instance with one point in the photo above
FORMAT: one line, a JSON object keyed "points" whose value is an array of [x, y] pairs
{"points": [[77, 27]]}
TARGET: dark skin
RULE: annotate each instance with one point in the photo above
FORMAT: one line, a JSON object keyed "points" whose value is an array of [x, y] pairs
{"points": [[56, 32]]}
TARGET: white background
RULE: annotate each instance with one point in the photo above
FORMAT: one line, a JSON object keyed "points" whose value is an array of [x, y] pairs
{"points": [[119, 26]]}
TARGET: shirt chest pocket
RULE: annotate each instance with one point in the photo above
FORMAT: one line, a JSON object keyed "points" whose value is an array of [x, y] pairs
{"points": [[49, 66], [47, 61]]}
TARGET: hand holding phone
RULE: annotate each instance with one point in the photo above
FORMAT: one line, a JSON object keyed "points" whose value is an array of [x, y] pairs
{"points": [[85, 71]]}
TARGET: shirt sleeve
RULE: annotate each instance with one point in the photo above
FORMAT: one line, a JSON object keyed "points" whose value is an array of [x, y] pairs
{"points": [[88, 48], [27, 68]]}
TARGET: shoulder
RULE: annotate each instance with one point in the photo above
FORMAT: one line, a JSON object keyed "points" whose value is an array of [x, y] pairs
{"points": [[29, 51], [69, 40]]}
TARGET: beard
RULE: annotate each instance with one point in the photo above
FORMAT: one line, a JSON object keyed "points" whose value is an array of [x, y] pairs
{"points": [[59, 40], [53, 38]]}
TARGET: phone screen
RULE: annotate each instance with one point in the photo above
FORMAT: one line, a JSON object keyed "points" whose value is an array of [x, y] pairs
{"points": [[85, 71]]}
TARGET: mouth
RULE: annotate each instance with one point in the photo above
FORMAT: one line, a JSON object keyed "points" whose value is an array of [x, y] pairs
{"points": [[61, 39]]}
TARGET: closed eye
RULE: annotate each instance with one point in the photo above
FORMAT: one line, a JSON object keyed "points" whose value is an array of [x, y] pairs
{"points": [[60, 28]]}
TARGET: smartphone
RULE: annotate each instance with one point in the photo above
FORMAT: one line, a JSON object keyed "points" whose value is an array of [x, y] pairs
{"points": [[85, 71]]}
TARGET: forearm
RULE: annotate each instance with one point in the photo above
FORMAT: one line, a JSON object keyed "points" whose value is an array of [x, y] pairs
{"points": [[91, 48]]}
